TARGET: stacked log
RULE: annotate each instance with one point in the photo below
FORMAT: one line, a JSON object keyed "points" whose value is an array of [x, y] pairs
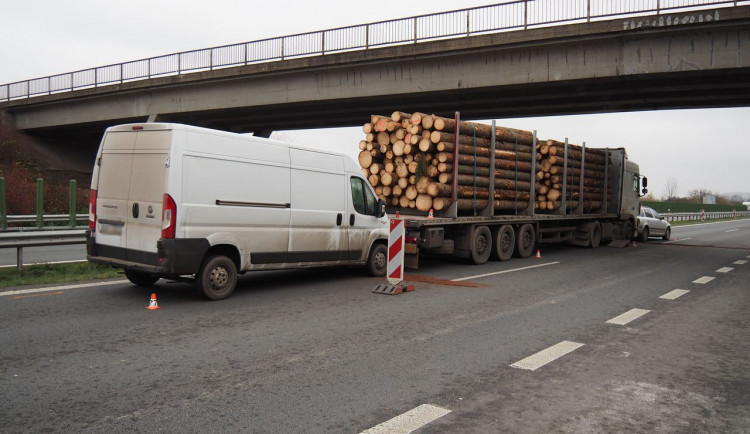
{"points": [[409, 158], [551, 177]]}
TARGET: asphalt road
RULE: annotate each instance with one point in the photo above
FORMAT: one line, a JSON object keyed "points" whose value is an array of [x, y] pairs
{"points": [[317, 351]]}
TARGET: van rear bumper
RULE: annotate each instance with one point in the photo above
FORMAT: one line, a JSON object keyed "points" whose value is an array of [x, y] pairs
{"points": [[174, 257]]}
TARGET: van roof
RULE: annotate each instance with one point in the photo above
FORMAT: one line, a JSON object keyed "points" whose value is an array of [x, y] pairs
{"points": [[161, 126]]}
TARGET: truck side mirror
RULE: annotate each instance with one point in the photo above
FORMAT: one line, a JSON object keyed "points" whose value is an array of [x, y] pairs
{"points": [[380, 209], [645, 191], [645, 182]]}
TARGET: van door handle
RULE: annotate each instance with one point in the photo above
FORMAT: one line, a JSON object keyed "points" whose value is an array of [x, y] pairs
{"points": [[136, 210], [339, 219], [351, 219]]}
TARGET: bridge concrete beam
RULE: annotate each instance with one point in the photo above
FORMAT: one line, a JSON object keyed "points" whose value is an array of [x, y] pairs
{"points": [[622, 64]]}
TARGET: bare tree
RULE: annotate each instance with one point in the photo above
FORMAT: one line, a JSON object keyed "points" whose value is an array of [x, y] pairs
{"points": [[671, 187]]}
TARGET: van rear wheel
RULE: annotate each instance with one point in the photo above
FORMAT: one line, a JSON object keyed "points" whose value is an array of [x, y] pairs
{"points": [[217, 277], [377, 262], [140, 278]]}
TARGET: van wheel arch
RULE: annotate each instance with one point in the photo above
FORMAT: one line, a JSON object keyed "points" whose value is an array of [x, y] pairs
{"points": [[227, 250]]}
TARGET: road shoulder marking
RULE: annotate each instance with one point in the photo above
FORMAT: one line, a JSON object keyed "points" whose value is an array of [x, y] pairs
{"points": [[536, 361], [671, 295], [504, 271], [409, 421], [740, 262], [724, 270], [676, 241], [703, 280], [628, 316], [61, 288]]}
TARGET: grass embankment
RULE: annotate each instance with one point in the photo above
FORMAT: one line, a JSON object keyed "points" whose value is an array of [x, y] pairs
{"points": [[41, 274]]}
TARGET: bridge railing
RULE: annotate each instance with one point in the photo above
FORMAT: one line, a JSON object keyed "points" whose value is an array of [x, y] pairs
{"points": [[507, 16]]}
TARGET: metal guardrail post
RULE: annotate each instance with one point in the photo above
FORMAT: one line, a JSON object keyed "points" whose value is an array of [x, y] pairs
{"points": [[39, 202], [3, 211], [72, 203]]}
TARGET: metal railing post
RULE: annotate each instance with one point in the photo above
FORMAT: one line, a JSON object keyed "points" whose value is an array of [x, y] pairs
{"points": [[415, 29], [323, 42], [39, 202], [588, 11], [72, 203], [367, 37], [526, 14], [468, 28], [3, 210]]}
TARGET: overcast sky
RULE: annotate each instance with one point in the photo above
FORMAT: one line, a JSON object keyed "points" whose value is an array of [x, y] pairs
{"points": [[707, 149]]}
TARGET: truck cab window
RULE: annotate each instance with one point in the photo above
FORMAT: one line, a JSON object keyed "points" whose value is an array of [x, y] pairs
{"points": [[362, 197]]}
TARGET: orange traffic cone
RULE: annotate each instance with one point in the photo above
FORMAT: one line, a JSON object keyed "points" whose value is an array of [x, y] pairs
{"points": [[538, 254], [430, 215], [397, 216], [152, 304]]}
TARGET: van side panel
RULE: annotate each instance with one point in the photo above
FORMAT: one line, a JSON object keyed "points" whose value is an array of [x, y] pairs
{"points": [[318, 229], [246, 201]]}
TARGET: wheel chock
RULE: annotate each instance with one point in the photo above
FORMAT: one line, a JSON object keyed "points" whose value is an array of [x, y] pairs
{"points": [[393, 289]]}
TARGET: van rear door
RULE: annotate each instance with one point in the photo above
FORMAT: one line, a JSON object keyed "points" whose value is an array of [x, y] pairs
{"points": [[131, 186]]}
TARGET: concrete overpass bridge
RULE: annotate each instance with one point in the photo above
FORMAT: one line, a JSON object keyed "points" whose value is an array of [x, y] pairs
{"points": [[522, 58]]}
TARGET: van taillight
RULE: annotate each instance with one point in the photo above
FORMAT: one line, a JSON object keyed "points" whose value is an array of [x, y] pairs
{"points": [[92, 209], [168, 217]]}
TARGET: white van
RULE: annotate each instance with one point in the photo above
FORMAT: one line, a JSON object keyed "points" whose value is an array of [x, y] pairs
{"points": [[175, 201]]}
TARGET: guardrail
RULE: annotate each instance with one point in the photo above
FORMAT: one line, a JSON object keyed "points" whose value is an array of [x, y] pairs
{"points": [[691, 216], [510, 15], [21, 239]]}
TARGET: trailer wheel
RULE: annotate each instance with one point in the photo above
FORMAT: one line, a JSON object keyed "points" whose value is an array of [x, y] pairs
{"points": [[525, 241], [140, 278], [595, 235], [217, 277], [377, 262], [628, 231], [481, 245], [505, 242]]}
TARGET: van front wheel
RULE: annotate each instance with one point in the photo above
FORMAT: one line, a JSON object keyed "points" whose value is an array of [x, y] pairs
{"points": [[217, 277], [377, 262]]}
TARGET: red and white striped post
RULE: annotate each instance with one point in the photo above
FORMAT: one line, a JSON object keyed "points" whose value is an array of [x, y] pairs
{"points": [[395, 269]]}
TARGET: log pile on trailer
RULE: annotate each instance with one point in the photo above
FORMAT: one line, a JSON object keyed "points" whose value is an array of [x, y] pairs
{"points": [[411, 160]]}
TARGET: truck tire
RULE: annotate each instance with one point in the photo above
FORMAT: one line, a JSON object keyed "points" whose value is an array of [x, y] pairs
{"points": [[377, 261], [481, 245], [644, 235], [505, 242], [140, 278], [595, 235], [525, 241], [217, 277]]}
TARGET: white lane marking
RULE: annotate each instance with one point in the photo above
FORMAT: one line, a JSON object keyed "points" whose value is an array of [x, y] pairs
{"points": [[44, 263], [740, 262], [61, 288], [732, 230], [410, 421], [628, 316], [677, 241], [504, 271], [704, 279], [536, 361], [671, 295], [724, 270]]}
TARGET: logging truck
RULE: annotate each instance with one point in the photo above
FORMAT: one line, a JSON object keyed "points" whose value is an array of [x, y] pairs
{"points": [[480, 191], [187, 203]]}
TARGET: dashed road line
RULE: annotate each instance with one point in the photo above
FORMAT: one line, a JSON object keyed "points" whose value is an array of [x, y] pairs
{"points": [[740, 262], [703, 280], [677, 241], [504, 271], [60, 288], [724, 270], [671, 295], [628, 316], [410, 421], [536, 361]]}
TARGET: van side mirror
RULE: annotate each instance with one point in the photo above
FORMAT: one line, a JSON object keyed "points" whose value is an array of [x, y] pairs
{"points": [[645, 191], [645, 182], [380, 211]]}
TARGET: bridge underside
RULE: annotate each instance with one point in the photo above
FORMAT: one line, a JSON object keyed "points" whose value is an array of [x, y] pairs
{"points": [[611, 66]]}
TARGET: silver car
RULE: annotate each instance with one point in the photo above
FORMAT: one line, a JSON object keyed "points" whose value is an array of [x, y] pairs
{"points": [[651, 224]]}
